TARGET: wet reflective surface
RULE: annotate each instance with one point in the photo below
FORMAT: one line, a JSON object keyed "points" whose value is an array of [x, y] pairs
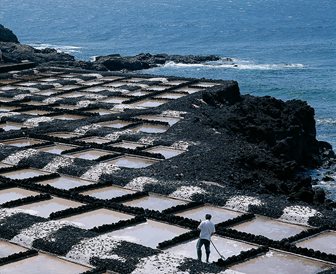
{"points": [[44, 208], [65, 182], [148, 234], [108, 192], [269, 228], [23, 173], [132, 162], [218, 214], [154, 202], [7, 249], [167, 152], [226, 248], [42, 264], [276, 263], [97, 218], [324, 242], [15, 193]]}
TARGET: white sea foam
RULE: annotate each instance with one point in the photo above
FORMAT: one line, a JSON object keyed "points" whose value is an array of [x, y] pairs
{"points": [[236, 64], [59, 48], [326, 121]]}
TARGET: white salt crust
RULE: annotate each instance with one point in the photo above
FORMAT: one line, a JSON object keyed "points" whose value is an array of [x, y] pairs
{"points": [[173, 113], [242, 203], [164, 263], [147, 140], [186, 192], [15, 158], [299, 214], [57, 163], [96, 171], [140, 182], [84, 103], [8, 114], [101, 247], [116, 135], [38, 231], [34, 122], [51, 100], [84, 129]]}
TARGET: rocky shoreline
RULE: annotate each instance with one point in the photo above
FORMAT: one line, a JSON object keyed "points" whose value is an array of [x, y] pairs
{"points": [[254, 145]]}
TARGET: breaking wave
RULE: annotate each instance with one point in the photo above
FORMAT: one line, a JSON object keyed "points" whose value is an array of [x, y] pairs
{"points": [[326, 121], [59, 48], [236, 64]]}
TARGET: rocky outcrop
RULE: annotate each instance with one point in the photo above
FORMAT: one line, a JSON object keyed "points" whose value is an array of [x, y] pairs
{"points": [[16, 53], [145, 60], [6, 35]]}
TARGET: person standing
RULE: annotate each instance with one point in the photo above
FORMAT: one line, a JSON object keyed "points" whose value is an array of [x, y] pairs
{"points": [[206, 228]]}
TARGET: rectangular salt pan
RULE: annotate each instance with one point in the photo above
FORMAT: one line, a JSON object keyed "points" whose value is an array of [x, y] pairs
{"points": [[97, 218], [226, 247], [45, 208], [22, 142], [11, 126], [43, 264], [132, 162], [148, 103], [167, 152], [278, 262], [148, 234], [324, 242], [108, 192], [57, 149], [15, 193], [147, 128], [129, 145], [92, 154], [269, 228], [95, 140], [65, 182], [65, 135], [23, 173], [154, 202], [115, 124], [7, 249], [218, 214], [170, 120]]}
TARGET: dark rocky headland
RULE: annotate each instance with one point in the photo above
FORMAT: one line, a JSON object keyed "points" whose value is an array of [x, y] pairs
{"points": [[254, 145]]}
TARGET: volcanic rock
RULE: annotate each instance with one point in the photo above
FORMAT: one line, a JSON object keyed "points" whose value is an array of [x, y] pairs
{"points": [[6, 35]]}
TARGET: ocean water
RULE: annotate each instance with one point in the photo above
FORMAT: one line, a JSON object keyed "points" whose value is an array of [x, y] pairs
{"points": [[282, 48]]}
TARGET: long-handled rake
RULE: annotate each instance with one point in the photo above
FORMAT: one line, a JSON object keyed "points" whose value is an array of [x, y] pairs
{"points": [[223, 258]]}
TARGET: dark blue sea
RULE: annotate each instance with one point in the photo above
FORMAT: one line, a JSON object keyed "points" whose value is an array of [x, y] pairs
{"points": [[282, 48]]}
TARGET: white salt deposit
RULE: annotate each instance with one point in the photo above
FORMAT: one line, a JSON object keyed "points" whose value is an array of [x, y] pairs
{"points": [[21, 96], [186, 192], [84, 103], [182, 145], [96, 171], [84, 129], [173, 113], [38, 231], [241, 202], [140, 182], [57, 163], [101, 247], [51, 100], [34, 122], [299, 214], [15, 158], [8, 114], [166, 262], [116, 135], [147, 140], [7, 212]]}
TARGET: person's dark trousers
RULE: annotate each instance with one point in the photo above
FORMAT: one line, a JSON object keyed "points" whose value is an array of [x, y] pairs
{"points": [[199, 245]]}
